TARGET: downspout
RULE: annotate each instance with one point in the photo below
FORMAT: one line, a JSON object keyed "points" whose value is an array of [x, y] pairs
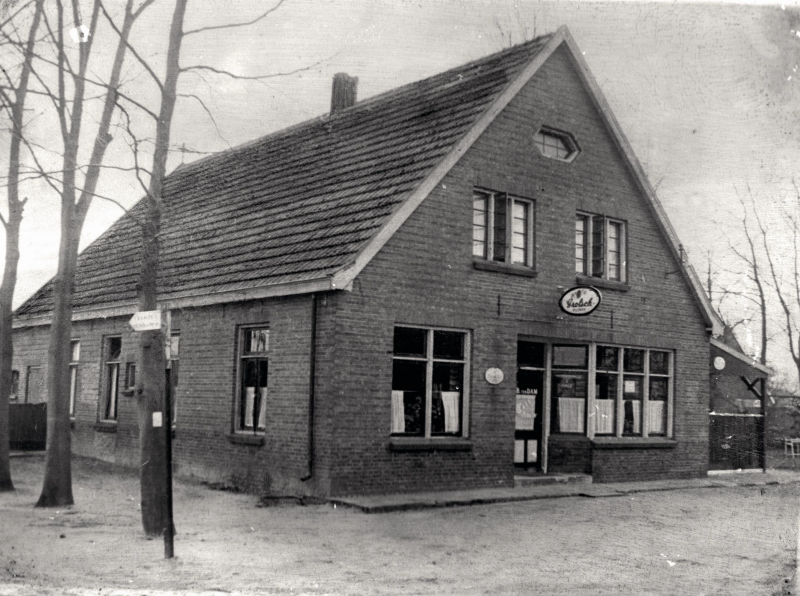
{"points": [[311, 382]]}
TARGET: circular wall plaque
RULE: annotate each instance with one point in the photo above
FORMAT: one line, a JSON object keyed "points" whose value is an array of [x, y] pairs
{"points": [[719, 363], [494, 376]]}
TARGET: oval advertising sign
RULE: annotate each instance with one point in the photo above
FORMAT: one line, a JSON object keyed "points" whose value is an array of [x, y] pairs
{"points": [[580, 301]]}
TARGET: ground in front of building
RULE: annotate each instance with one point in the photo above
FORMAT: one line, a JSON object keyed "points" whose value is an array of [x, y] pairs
{"points": [[703, 541]]}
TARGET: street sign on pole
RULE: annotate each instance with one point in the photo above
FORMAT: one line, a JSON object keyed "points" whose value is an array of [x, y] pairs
{"points": [[146, 320]]}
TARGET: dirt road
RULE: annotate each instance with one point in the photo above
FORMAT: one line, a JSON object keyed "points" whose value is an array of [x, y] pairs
{"points": [[699, 542]]}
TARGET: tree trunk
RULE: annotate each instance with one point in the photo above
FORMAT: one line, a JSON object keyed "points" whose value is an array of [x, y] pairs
{"points": [[57, 486], [151, 355], [150, 392], [6, 345], [15, 207]]}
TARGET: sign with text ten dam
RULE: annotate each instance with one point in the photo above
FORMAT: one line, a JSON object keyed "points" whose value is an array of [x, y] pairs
{"points": [[580, 301]]}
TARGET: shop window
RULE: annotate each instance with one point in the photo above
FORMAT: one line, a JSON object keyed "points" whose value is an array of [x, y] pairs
{"points": [[251, 400], [658, 393], [569, 389], [631, 396], [641, 400], [600, 247], [606, 384], [429, 372], [14, 395], [112, 355], [74, 359], [502, 228]]}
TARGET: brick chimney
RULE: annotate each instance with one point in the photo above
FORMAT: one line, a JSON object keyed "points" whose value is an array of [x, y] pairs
{"points": [[344, 91]]}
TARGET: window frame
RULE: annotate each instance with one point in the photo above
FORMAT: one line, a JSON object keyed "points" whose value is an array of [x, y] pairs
{"points": [[592, 410], [566, 138], [74, 375], [104, 414], [595, 263], [242, 355], [14, 394], [430, 360], [488, 253]]}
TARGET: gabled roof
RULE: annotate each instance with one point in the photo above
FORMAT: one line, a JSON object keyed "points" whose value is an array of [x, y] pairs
{"points": [[741, 356], [307, 208], [284, 213]]}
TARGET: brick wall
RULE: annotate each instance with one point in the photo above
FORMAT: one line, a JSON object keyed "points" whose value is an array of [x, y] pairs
{"points": [[424, 276], [202, 447]]}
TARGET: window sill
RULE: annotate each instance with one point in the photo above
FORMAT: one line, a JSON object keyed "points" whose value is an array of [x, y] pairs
{"points": [[569, 438], [422, 444], [599, 282], [633, 443], [241, 439], [106, 426], [504, 268]]}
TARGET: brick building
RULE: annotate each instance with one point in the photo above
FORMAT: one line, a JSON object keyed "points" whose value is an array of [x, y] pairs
{"points": [[370, 301]]}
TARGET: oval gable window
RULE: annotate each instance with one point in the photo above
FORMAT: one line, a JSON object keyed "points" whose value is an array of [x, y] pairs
{"points": [[556, 144]]}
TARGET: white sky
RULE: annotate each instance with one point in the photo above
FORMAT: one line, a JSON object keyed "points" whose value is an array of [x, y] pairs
{"points": [[707, 94]]}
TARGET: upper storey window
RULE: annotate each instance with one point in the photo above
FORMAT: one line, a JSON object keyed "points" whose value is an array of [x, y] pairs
{"points": [[502, 228], [556, 144], [600, 247]]}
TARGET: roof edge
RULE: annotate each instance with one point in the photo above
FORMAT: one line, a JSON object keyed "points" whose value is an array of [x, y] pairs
{"points": [[742, 357], [711, 317], [168, 301], [347, 274]]}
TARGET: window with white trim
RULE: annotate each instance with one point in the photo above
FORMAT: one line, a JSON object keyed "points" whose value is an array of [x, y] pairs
{"points": [[112, 354], [251, 398], [569, 389], [74, 359], [502, 228], [430, 369], [600, 247], [555, 144], [610, 391]]}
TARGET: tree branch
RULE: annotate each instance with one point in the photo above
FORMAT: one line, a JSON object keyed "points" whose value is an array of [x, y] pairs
{"points": [[131, 49], [253, 78], [200, 101], [232, 25]]}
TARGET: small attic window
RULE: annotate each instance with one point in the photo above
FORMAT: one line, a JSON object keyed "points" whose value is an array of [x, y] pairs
{"points": [[556, 144]]}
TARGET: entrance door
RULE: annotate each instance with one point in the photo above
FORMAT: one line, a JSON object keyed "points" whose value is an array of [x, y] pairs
{"points": [[529, 414]]}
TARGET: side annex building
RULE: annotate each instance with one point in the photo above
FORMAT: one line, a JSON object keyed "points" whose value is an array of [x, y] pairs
{"points": [[369, 302]]}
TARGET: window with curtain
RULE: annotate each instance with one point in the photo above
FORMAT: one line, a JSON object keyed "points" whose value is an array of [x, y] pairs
{"points": [[251, 401], [429, 368]]}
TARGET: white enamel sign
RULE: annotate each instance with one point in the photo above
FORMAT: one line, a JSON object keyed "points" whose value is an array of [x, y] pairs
{"points": [[146, 320], [494, 376], [580, 301]]}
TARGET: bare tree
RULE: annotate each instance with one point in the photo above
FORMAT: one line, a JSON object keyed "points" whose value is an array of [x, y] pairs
{"points": [[752, 261], [13, 94], [784, 270], [769, 274], [62, 76], [151, 385]]}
